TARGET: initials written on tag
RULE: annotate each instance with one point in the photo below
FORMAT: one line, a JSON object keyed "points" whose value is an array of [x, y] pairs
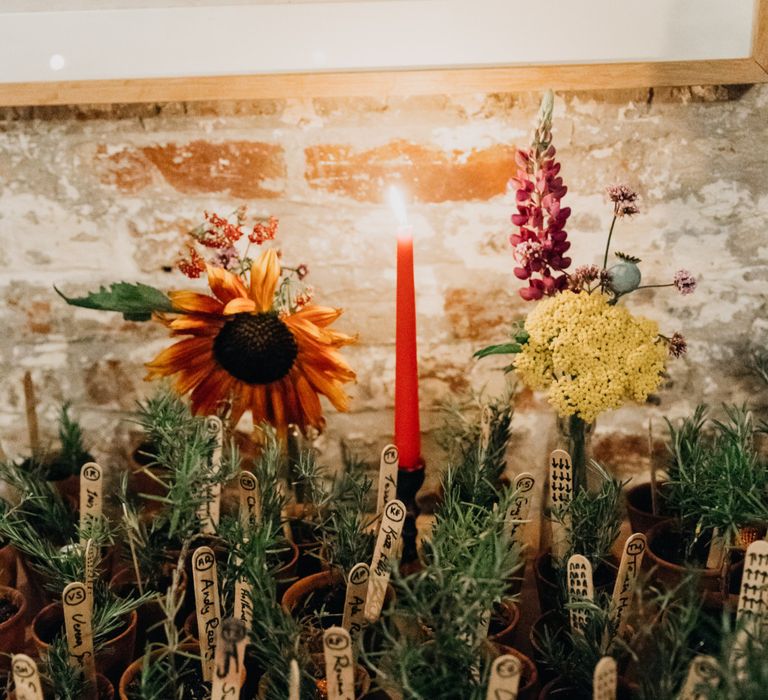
{"points": [[383, 554]]}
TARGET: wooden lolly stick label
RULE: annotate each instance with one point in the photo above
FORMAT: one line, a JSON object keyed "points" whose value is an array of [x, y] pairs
{"points": [[560, 495], [91, 485], [388, 470], [207, 606], [517, 515], [78, 624], [26, 678], [605, 679], [354, 601], [250, 500], [629, 568], [580, 587], [753, 596], [505, 678], [294, 681], [339, 664], [211, 506], [243, 604], [229, 660], [702, 673], [386, 548], [90, 568], [716, 550]]}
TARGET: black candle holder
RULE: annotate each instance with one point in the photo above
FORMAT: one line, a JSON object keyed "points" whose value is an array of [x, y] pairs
{"points": [[408, 484]]}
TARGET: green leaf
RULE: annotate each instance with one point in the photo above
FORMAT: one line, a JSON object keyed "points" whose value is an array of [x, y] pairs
{"points": [[503, 349], [135, 301]]}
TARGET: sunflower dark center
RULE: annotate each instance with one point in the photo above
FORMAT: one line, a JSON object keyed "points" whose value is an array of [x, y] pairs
{"points": [[256, 348]]}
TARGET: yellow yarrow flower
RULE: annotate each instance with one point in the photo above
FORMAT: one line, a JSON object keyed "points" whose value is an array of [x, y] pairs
{"points": [[590, 355]]}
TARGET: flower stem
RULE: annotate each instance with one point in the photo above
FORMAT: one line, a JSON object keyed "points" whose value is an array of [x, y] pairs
{"points": [[608, 244], [652, 286]]}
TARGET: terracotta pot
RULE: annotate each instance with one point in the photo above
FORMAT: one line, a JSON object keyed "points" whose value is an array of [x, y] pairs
{"points": [[504, 621], [105, 690], [111, 656], [303, 531], [529, 680], [362, 681], [554, 622], [7, 565], [558, 689], [548, 587], [664, 550], [639, 509], [150, 615], [13, 629]]}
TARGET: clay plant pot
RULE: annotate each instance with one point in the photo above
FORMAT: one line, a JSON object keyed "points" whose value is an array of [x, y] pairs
{"points": [[13, 609], [111, 655], [665, 552], [554, 623], [558, 689], [7, 565], [304, 534], [548, 587], [362, 681], [640, 510], [150, 615], [529, 679], [504, 621], [104, 689]]}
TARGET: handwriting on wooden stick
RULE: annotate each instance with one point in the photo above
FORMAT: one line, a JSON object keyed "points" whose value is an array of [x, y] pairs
{"points": [[207, 605], [604, 679], [703, 672], [243, 607], [353, 619], [388, 470], [560, 495], [629, 568], [517, 515], [26, 678], [383, 554], [90, 568], [339, 664], [580, 588], [505, 678], [211, 506], [229, 660], [250, 500], [78, 625], [294, 681], [91, 486]]}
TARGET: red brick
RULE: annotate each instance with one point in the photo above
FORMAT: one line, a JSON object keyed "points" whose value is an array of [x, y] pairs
{"points": [[243, 169], [429, 173]]}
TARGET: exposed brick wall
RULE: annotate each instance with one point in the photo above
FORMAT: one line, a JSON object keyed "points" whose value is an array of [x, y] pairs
{"points": [[91, 195]]}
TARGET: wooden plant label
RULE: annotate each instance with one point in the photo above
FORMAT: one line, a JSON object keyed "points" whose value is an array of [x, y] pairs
{"points": [[716, 551], [517, 515], [629, 568], [91, 484], [90, 568], [388, 470], [604, 679], [207, 605], [243, 604], [354, 601], [505, 678], [753, 596], [486, 418], [386, 547], [560, 495], [229, 660], [211, 506], [26, 678], [580, 587], [250, 500], [702, 673], [78, 624], [294, 681], [339, 664]]}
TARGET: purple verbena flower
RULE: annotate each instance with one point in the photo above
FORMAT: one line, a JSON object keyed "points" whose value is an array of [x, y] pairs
{"points": [[684, 281]]}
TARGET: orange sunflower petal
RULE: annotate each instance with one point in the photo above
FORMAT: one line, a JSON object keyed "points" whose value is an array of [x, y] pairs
{"points": [[326, 386], [212, 389], [259, 405], [195, 302], [319, 315], [265, 272], [239, 306], [310, 403], [178, 355], [225, 285]]}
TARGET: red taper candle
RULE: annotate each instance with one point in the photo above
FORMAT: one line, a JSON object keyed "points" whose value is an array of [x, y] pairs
{"points": [[407, 426]]}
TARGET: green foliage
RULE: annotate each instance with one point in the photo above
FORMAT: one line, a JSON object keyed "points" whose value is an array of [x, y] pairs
{"points": [[136, 301], [519, 338], [67, 681], [72, 454]]}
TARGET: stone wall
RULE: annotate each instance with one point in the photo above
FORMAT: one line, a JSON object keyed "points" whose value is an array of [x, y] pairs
{"points": [[92, 194]]}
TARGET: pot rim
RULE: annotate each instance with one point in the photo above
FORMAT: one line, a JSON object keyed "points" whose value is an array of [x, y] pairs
{"points": [[19, 600], [132, 622], [663, 527]]}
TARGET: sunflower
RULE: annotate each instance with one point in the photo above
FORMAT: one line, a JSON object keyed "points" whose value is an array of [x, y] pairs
{"points": [[241, 349]]}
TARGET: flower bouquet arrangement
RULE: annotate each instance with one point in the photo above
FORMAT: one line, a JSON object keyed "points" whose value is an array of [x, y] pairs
{"points": [[590, 353], [256, 342]]}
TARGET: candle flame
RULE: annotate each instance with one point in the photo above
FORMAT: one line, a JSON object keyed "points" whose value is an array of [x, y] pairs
{"points": [[397, 204]]}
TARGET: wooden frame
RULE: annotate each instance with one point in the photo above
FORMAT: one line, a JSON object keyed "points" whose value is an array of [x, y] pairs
{"points": [[600, 76]]}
